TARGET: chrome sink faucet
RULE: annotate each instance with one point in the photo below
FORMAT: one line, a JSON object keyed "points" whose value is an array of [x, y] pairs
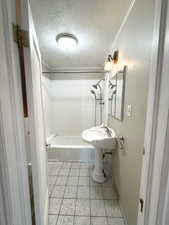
{"points": [[108, 131]]}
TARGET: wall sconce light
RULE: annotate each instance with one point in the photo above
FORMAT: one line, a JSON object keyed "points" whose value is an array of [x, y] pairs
{"points": [[111, 61], [108, 64], [116, 57]]}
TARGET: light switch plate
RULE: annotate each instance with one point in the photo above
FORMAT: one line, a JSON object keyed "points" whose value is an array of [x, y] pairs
{"points": [[129, 110]]}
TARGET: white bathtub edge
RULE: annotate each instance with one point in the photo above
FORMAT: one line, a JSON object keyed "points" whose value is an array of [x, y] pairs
{"points": [[49, 138]]}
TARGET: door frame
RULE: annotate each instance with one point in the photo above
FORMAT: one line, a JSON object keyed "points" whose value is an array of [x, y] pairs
{"points": [[149, 162], [27, 24], [14, 184], [19, 214], [14, 181]]}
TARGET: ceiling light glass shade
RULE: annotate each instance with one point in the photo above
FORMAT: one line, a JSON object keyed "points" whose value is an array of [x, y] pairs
{"points": [[66, 41]]}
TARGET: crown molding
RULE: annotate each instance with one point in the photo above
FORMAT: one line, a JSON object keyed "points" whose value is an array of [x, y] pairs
{"points": [[77, 77], [74, 76], [73, 73], [45, 65], [68, 69], [124, 21]]}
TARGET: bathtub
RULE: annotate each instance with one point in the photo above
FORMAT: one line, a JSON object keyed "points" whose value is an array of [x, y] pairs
{"points": [[69, 148]]}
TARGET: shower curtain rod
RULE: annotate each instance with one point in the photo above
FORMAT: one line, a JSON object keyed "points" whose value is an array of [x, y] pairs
{"points": [[89, 71]]}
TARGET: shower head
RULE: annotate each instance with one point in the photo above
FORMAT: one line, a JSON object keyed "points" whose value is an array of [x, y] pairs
{"points": [[111, 85], [99, 81], [93, 93], [95, 86], [114, 92]]}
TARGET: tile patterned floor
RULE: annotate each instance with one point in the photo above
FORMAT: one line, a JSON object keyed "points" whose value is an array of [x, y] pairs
{"points": [[75, 199]]}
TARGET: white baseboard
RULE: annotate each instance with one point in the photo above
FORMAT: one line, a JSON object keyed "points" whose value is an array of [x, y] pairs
{"points": [[121, 208], [46, 208], [123, 214]]}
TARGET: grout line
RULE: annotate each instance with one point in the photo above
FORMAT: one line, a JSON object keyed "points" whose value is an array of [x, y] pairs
{"points": [[90, 186], [59, 211], [76, 197], [106, 213], [54, 183], [61, 203], [110, 217], [90, 205], [85, 198]]}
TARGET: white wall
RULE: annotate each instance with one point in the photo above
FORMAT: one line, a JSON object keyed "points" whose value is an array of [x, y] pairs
{"points": [[134, 44], [47, 100], [69, 106]]}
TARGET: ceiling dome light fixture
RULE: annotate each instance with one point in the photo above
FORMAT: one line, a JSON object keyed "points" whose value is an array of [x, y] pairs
{"points": [[66, 41]]}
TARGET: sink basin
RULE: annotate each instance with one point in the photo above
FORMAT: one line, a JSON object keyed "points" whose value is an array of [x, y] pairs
{"points": [[102, 138]]}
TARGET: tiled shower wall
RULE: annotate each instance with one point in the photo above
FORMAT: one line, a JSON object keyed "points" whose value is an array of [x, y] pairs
{"points": [[69, 106]]}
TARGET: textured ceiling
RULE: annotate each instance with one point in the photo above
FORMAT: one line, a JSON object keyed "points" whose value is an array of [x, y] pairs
{"points": [[93, 22]]}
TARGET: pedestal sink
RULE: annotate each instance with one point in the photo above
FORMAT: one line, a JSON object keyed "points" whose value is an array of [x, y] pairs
{"points": [[101, 137]]}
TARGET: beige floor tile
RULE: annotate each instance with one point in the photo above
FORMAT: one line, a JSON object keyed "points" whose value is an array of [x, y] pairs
{"points": [[64, 172], [97, 208], [82, 220], [50, 188], [83, 192], [61, 180], [58, 192], [54, 171], [84, 172], [83, 181], [58, 164], [65, 220], [54, 205], [52, 219], [108, 183], [52, 179], [66, 165], [94, 183], [99, 221], [84, 165], [112, 208], [115, 221], [72, 181], [82, 207], [68, 207], [74, 172], [75, 165], [109, 193], [96, 193], [70, 192]]}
